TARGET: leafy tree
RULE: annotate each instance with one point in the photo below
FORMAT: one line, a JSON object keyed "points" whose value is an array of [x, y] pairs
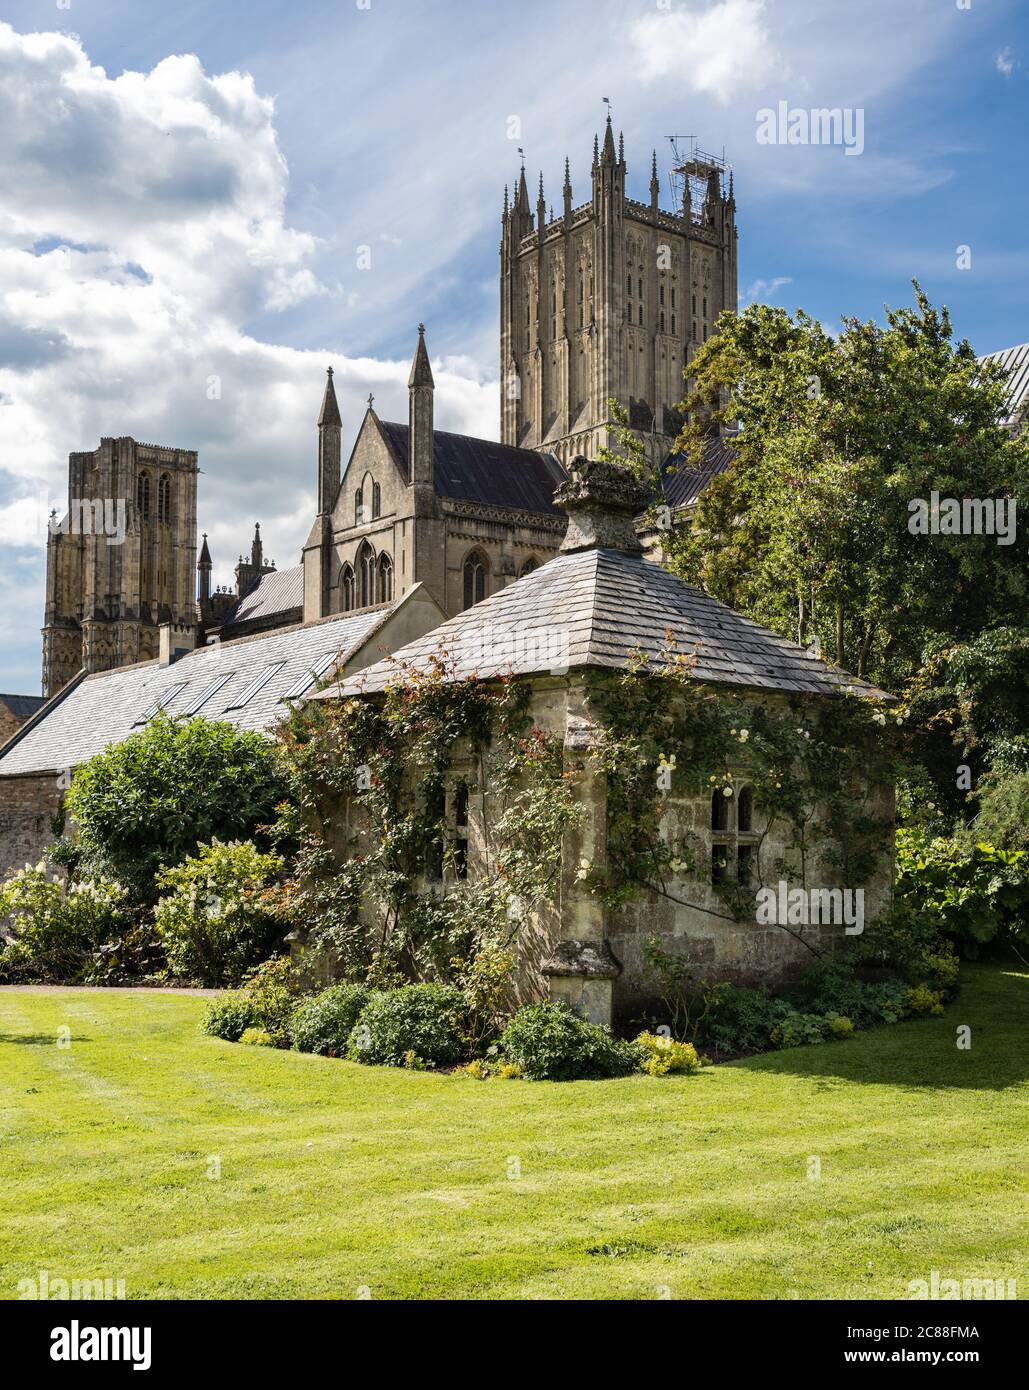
{"points": [[147, 803], [808, 531]]}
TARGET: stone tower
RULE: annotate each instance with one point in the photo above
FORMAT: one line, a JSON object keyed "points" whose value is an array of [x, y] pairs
{"points": [[610, 299], [123, 559]]}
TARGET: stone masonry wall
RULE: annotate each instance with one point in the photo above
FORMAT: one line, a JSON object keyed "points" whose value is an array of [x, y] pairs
{"points": [[26, 807]]}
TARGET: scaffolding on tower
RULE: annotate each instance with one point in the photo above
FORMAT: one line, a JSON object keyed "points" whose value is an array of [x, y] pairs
{"points": [[691, 174]]}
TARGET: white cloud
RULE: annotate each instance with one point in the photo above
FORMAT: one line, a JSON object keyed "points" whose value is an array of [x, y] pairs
{"points": [[764, 290], [148, 229], [717, 49], [1006, 62]]}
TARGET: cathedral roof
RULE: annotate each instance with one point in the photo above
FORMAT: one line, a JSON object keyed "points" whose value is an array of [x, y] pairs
{"points": [[280, 592], [1016, 361], [23, 706], [600, 603], [683, 482], [481, 470]]}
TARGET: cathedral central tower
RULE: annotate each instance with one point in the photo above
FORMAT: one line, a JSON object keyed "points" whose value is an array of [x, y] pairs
{"points": [[610, 299]]}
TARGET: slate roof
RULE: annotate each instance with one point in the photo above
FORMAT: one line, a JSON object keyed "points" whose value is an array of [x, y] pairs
{"points": [[481, 470], [591, 608], [23, 706], [683, 483], [104, 708], [270, 595], [1016, 361]]}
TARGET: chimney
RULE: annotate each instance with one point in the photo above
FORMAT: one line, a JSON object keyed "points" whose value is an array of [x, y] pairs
{"points": [[602, 501], [176, 639]]}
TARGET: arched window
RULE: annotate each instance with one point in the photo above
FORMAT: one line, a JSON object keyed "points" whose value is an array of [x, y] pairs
{"points": [[385, 579], [376, 500], [164, 498], [365, 576], [143, 495], [475, 570], [531, 564], [346, 588], [745, 809], [719, 810], [733, 835], [358, 507]]}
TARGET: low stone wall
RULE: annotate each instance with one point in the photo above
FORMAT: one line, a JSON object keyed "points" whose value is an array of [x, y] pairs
{"points": [[27, 805]]}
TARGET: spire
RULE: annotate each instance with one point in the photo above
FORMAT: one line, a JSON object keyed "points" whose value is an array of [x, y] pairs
{"points": [[257, 548], [596, 152], [421, 371], [568, 189], [621, 148], [732, 195], [568, 175], [523, 192], [330, 407], [505, 202], [609, 142], [655, 186], [204, 568]]}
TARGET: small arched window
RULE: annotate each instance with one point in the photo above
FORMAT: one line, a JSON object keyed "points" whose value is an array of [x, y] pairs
{"points": [[358, 507], [365, 576], [719, 810], [745, 809], [475, 569], [164, 499], [143, 495], [346, 588], [385, 579], [376, 499]]}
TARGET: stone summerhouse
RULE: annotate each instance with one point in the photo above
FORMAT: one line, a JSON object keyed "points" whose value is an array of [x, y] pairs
{"points": [[563, 628]]}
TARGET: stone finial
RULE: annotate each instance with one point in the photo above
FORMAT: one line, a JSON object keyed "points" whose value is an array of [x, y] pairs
{"points": [[601, 500]]}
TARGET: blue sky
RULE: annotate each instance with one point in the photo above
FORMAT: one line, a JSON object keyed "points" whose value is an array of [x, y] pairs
{"points": [[193, 185]]}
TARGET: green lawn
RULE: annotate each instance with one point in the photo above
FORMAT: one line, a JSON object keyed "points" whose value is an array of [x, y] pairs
{"points": [[337, 1178]]}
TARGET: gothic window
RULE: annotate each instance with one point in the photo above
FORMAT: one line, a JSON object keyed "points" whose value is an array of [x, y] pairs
{"points": [[640, 295], [164, 499], [662, 323], [661, 293], [358, 508], [365, 576], [673, 323], [376, 499], [475, 570], [641, 314], [628, 285], [143, 495], [705, 307], [385, 579], [673, 296], [531, 564], [694, 303], [346, 588]]}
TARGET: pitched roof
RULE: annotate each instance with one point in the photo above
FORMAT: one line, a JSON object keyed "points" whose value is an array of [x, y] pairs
{"points": [[683, 482], [1016, 361], [591, 608], [280, 592], [105, 708], [23, 706], [481, 470]]}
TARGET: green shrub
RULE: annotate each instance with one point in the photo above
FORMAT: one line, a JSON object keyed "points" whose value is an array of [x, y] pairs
{"points": [[147, 802], [796, 1029], [57, 929], [422, 1022], [229, 1017], [213, 923], [267, 1001], [1003, 817], [922, 1001], [324, 1022], [978, 894], [257, 1037], [662, 1055], [839, 1025], [739, 1019], [550, 1043]]}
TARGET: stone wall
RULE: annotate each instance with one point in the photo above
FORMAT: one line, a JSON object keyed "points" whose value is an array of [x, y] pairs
{"points": [[27, 805]]}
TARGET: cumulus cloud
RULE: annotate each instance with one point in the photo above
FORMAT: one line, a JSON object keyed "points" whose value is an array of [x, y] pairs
{"points": [[147, 230], [1005, 62], [765, 290], [717, 49]]}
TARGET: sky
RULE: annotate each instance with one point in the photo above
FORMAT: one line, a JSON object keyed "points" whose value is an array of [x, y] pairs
{"points": [[205, 205]]}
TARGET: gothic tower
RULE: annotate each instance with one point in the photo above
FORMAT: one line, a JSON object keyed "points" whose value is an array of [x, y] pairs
{"points": [[123, 559], [610, 299]]}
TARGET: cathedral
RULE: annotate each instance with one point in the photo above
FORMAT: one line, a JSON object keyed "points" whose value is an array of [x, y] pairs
{"points": [[606, 300]]}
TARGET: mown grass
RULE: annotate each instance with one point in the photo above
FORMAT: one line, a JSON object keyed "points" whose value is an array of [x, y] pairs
{"points": [[339, 1181]]}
